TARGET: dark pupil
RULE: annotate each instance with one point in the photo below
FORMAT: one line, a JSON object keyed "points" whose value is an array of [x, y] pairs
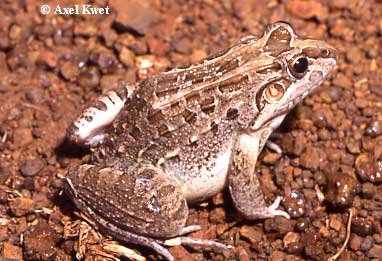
{"points": [[300, 65]]}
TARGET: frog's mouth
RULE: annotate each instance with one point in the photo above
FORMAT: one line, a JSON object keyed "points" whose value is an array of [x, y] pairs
{"points": [[272, 122]]}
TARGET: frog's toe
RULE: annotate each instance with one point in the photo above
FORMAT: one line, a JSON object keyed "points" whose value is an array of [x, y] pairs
{"points": [[162, 251], [273, 146], [189, 229], [197, 243], [273, 211]]}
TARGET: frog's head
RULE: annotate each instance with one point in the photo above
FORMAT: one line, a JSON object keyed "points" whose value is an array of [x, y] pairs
{"points": [[296, 68]]}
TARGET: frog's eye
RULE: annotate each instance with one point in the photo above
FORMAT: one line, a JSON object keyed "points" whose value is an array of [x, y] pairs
{"points": [[299, 66]]}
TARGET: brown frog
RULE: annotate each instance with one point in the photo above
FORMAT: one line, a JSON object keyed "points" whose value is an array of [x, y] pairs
{"points": [[184, 135]]}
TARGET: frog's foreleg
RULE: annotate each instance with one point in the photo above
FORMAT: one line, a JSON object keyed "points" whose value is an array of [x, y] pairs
{"points": [[89, 127], [243, 182]]}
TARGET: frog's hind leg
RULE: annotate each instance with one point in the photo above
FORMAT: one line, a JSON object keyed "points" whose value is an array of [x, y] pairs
{"points": [[134, 204], [89, 127]]}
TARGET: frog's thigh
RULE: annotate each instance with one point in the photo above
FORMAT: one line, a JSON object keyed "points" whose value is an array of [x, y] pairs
{"points": [[243, 182], [142, 199], [89, 127]]}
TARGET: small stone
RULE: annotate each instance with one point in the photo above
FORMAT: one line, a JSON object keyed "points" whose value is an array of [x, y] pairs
{"points": [[251, 234], [39, 242], [362, 226], [105, 60], [341, 189], [22, 136], [182, 46], [368, 190], [242, 254], [109, 36], [355, 242], [311, 158], [11, 251], [290, 237], [15, 31], [374, 129], [157, 46], [85, 29], [111, 82], [277, 255], [307, 9], [368, 169], [31, 167], [135, 15], [218, 199], [324, 134], [217, 216], [302, 224], [376, 89], [4, 235], [371, 54], [21, 206], [179, 253], [198, 55], [294, 204], [89, 78], [35, 96], [69, 71], [324, 232], [136, 45], [294, 144], [279, 224], [331, 95], [367, 243], [375, 251], [343, 80], [271, 158], [48, 59], [353, 145], [126, 57], [335, 223]]}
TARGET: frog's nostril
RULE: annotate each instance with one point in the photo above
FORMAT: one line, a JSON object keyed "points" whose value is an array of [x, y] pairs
{"points": [[329, 53]]}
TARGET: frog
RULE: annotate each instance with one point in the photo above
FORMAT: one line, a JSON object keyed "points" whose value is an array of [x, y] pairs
{"points": [[182, 136]]}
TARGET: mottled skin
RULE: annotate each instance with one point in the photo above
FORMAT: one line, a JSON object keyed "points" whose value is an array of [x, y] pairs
{"points": [[186, 134]]}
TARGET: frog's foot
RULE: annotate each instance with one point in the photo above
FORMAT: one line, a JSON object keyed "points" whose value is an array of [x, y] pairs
{"points": [[89, 127]]}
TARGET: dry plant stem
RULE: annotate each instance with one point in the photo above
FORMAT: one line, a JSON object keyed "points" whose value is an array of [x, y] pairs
{"points": [[333, 258]]}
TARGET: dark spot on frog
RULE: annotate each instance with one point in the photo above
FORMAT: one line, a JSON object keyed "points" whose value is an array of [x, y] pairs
{"points": [[232, 113], [163, 130], [189, 116], [88, 118], [214, 127], [208, 105], [166, 190]]}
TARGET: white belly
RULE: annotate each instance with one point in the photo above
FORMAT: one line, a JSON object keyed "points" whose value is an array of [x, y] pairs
{"points": [[207, 182]]}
